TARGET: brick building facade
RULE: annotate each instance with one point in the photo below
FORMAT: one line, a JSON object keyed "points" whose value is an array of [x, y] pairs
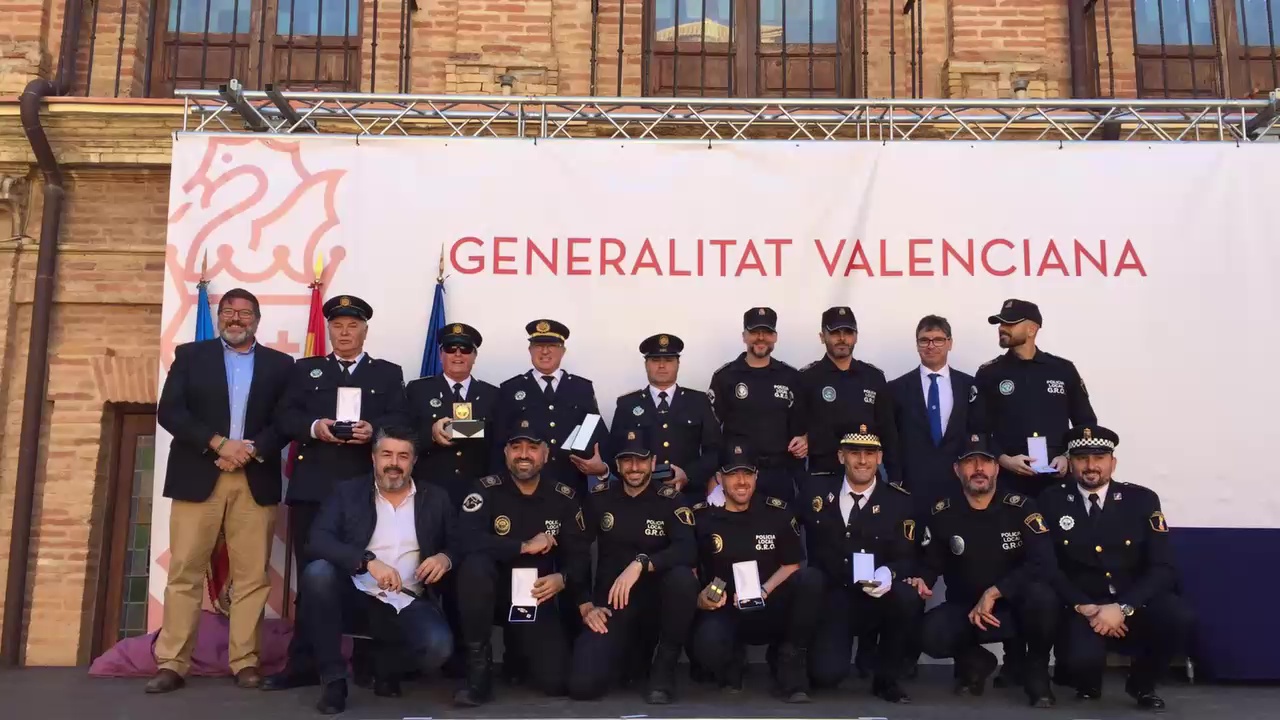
{"points": [[112, 140]]}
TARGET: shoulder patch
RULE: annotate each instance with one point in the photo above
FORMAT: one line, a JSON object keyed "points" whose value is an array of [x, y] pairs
{"points": [[700, 506], [1158, 523], [490, 481], [899, 488], [941, 505], [685, 515], [1035, 521], [989, 362], [775, 502], [564, 490], [1015, 499], [668, 491], [600, 486]]}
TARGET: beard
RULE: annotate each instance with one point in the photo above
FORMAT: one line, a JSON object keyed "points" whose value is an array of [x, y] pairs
{"points": [[523, 472], [392, 478]]}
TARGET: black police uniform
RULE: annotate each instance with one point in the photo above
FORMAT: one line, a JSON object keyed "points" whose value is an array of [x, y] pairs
{"points": [[1018, 399], [455, 467], [1006, 545], [496, 518], [837, 399], [884, 525], [553, 414], [1120, 555], [656, 524], [763, 408], [319, 466], [684, 431], [768, 533]]}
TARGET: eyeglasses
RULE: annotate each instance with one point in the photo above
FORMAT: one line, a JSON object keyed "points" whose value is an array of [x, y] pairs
{"points": [[931, 342], [455, 349], [228, 313]]}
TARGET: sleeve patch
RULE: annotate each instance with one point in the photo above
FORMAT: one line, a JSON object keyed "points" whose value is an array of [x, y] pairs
{"points": [[795, 526], [775, 502], [685, 516], [668, 491], [941, 505], [1015, 499], [700, 506], [472, 502], [600, 486], [1035, 521], [490, 481], [1157, 522], [909, 530], [564, 490], [582, 522]]}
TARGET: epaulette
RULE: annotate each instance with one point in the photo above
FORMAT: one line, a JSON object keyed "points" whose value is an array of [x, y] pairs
{"points": [[941, 505], [812, 364], [786, 365], [700, 506], [668, 491], [600, 486], [775, 502], [872, 366], [490, 481], [1015, 499], [564, 490], [723, 367], [990, 362], [899, 488]]}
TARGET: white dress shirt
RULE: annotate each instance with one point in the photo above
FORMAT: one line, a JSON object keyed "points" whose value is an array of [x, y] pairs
{"points": [[671, 394], [556, 376], [846, 498], [395, 537], [1102, 496], [945, 399], [466, 385]]}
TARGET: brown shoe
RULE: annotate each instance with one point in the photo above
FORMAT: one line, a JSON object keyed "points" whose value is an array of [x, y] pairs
{"points": [[165, 681], [248, 678]]}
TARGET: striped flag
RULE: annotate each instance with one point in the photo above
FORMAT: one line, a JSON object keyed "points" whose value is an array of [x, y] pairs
{"points": [[315, 344], [430, 350], [217, 578]]}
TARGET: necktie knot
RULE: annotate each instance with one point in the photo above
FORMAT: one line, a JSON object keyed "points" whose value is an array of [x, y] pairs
{"points": [[457, 387], [662, 395], [934, 376], [346, 364], [548, 379], [1093, 498]]}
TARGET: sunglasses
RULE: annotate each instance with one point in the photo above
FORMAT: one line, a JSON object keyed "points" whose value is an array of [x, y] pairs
{"points": [[455, 349]]}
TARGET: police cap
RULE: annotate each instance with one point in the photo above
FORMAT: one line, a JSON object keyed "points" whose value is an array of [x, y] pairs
{"points": [[737, 456], [760, 317], [977, 445], [634, 442], [862, 437], [460, 334], [550, 332], [1015, 311], [839, 318], [525, 429], [1090, 440], [658, 346], [347, 306]]}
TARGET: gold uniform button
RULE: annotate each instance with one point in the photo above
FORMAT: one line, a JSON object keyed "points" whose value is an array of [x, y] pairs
{"points": [[666, 444], [1108, 575], [1127, 543], [664, 426], [1097, 548], [552, 424], [299, 457], [1066, 542], [459, 453]]}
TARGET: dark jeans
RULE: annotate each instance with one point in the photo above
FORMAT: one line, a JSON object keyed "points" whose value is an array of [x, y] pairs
{"points": [[301, 657], [847, 613], [418, 635], [1157, 633], [790, 615]]}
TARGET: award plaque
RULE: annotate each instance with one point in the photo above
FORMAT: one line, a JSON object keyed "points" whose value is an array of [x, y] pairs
{"points": [[463, 425]]}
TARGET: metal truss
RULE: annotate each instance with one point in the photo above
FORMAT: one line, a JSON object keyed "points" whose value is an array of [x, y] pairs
{"points": [[232, 109]]}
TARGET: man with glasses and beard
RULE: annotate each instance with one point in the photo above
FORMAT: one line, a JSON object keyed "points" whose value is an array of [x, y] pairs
{"points": [[520, 519], [219, 402], [757, 398], [645, 586], [380, 540], [994, 550], [1116, 572]]}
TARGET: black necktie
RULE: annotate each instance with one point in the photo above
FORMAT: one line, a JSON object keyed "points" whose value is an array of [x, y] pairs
{"points": [[1095, 510], [663, 405], [549, 392], [457, 392], [857, 507], [346, 370]]}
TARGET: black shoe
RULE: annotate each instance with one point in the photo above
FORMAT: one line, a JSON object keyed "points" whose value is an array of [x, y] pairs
{"points": [[662, 674], [386, 687], [333, 699], [288, 680], [1089, 693], [973, 670], [478, 689], [793, 673], [1150, 701], [890, 692], [1042, 700]]}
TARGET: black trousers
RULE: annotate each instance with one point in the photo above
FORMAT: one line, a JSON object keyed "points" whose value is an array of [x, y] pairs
{"points": [[484, 591], [790, 615], [661, 605], [302, 515], [848, 613], [1158, 632], [416, 637], [1031, 618]]}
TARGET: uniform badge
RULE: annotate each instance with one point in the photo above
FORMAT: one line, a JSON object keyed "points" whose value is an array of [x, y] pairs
{"points": [[663, 341], [668, 491], [1035, 521], [564, 490], [817, 504], [795, 527], [600, 486], [776, 503], [1115, 496], [462, 411], [317, 373], [1157, 522], [685, 515], [490, 480], [344, 301], [435, 402], [1088, 433], [582, 522], [543, 326], [520, 395], [637, 411], [502, 524], [941, 505], [831, 497], [1066, 522], [909, 530], [1006, 387], [740, 391], [457, 329], [973, 393], [472, 502], [957, 545], [717, 543], [606, 522], [875, 509], [829, 394]]}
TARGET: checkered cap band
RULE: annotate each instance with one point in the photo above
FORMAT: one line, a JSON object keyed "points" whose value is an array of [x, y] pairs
{"points": [[861, 439], [1091, 443]]}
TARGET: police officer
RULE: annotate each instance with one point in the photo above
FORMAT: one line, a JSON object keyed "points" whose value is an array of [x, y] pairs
{"points": [[863, 515], [328, 450], [1028, 393], [757, 529], [682, 427], [555, 402], [839, 392], [994, 550], [519, 519], [645, 586], [436, 401], [757, 398], [1116, 571]]}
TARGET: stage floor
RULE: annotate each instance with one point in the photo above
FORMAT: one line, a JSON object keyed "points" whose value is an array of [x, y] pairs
{"points": [[68, 693]]}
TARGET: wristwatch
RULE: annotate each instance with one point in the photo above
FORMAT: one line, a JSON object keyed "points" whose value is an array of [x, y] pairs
{"points": [[643, 559], [367, 558], [1127, 610]]}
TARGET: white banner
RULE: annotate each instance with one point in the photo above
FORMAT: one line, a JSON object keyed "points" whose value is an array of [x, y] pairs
{"points": [[1152, 265]]}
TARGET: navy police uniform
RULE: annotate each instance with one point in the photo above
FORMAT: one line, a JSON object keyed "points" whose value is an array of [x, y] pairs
{"points": [[1113, 547], [682, 427], [881, 522], [455, 467], [768, 533], [1005, 545], [763, 408], [652, 527], [496, 518], [553, 412], [838, 399]]}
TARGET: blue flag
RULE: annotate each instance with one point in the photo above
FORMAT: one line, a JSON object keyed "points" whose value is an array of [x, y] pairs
{"points": [[204, 317], [431, 350]]}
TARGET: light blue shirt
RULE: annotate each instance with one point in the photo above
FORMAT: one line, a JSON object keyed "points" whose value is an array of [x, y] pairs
{"points": [[239, 377]]}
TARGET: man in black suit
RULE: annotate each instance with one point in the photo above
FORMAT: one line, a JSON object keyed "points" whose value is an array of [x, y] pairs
{"points": [[554, 402], [333, 437], [218, 402], [396, 539], [683, 430], [436, 401]]}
